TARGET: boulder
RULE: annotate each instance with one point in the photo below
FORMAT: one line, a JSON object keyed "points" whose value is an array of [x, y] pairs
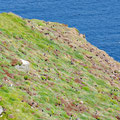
{"points": [[24, 66], [1, 110]]}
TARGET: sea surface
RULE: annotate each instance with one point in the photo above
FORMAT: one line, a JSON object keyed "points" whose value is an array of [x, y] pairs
{"points": [[99, 20]]}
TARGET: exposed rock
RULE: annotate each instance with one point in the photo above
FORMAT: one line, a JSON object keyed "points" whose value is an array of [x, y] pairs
{"points": [[1, 110], [82, 36], [24, 67], [81, 102]]}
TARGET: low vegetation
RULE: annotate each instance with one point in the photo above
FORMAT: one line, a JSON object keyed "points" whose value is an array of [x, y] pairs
{"points": [[68, 78]]}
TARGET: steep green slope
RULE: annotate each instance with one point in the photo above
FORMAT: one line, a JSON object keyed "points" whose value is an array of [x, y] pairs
{"points": [[68, 79]]}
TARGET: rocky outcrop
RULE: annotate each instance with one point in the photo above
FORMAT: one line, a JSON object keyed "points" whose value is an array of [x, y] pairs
{"points": [[24, 66], [1, 110]]}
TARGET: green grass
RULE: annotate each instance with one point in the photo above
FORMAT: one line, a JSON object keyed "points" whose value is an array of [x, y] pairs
{"points": [[50, 91]]}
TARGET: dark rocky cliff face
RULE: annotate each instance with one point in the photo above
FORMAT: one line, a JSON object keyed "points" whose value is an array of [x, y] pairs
{"points": [[67, 77]]}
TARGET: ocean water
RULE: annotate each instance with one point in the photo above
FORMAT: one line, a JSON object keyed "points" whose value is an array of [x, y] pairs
{"points": [[98, 20]]}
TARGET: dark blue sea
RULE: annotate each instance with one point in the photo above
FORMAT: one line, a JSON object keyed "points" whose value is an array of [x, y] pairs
{"points": [[98, 19]]}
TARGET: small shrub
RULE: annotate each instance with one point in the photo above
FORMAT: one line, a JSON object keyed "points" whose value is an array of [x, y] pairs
{"points": [[43, 77], [26, 77]]}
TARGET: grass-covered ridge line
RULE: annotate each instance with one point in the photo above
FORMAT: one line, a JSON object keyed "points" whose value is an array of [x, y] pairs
{"points": [[68, 77]]}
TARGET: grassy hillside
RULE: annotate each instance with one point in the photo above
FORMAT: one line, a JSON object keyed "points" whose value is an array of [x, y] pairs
{"points": [[68, 79]]}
